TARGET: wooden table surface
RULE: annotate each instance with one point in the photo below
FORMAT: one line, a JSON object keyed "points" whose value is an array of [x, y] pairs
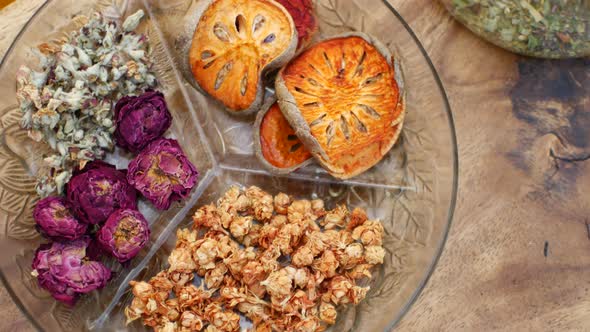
{"points": [[518, 256]]}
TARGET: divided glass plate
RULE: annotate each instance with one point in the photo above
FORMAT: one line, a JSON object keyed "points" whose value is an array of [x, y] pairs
{"points": [[412, 190]]}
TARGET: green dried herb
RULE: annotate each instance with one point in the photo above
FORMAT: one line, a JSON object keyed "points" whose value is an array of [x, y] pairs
{"points": [[542, 28], [68, 104]]}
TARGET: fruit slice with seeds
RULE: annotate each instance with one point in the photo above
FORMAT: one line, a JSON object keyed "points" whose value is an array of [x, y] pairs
{"points": [[234, 44], [344, 97], [277, 146]]}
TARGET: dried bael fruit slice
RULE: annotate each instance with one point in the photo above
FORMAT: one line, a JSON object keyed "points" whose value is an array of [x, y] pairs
{"points": [[277, 146], [344, 97], [234, 44]]}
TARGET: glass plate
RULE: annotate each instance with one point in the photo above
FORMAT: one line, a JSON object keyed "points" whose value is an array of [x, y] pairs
{"points": [[413, 190]]}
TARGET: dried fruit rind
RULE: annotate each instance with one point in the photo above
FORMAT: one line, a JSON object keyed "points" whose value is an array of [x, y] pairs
{"points": [[345, 98], [234, 43], [276, 144]]}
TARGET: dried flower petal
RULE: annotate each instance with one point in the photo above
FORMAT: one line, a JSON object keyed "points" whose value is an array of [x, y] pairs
{"points": [[191, 321], [338, 289], [227, 321], [162, 173], [208, 217], [328, 313], [291, 275], [352, 256], [141, 120], [66, 272], [374, 254], [304, 18], [301, 213], [180, 259], [214, 277], [315, 242], [262, 202], [282, 202], [360, 271], [98, 191], [54, 219], [357, 294], [124, 234], [279, 284], [317, 206], [206, 254], [132, 21], [68, 103], [357, 218], [336, 218], [161, 282], [240, 226], [327, 264], [370, 233], [253, 237]]}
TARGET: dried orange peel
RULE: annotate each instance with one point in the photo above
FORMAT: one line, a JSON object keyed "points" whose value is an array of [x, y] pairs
{"points": [[345, 99], [276, 143], [234, 43]]}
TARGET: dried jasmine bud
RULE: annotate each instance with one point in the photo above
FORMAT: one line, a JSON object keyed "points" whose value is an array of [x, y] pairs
{"points": [[132, 21], [273, 290]]}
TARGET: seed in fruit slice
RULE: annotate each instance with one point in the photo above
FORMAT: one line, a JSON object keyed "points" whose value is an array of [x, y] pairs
{"points": [[344, 97], [304, 17], [234, 43], [277, 146]]}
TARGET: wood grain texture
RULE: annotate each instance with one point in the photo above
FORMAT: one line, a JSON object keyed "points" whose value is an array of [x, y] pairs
{"points": [[518, 256], [523, 183]]}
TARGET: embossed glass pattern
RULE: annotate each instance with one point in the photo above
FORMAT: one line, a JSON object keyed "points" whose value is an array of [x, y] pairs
{"points": [[412, 190]]}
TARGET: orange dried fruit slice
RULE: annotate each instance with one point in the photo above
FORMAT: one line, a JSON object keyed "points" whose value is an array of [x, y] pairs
{"points": [[235, 42], [276, 143], [302, 12], [344, 97]]}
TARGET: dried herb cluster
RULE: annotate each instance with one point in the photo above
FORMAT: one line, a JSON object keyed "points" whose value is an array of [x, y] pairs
{"points": [[545, 28], [69, 103], [284, 264]]}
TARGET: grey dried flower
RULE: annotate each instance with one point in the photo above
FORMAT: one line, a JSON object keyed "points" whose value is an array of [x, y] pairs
{"points": [[69, 103], [132, 21]]}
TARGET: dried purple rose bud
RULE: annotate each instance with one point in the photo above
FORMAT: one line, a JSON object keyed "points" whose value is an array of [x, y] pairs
{"points": [[66, 272], [58, 290], [124, 234], [163, 173], [55, 220], [99, 190], [141, 120]]}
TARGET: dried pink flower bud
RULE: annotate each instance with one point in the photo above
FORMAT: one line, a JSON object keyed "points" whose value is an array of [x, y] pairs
{"points": [[124, 234], [163, 173], [141, 120], [55, 220], [99, 190], [65, 270]]}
